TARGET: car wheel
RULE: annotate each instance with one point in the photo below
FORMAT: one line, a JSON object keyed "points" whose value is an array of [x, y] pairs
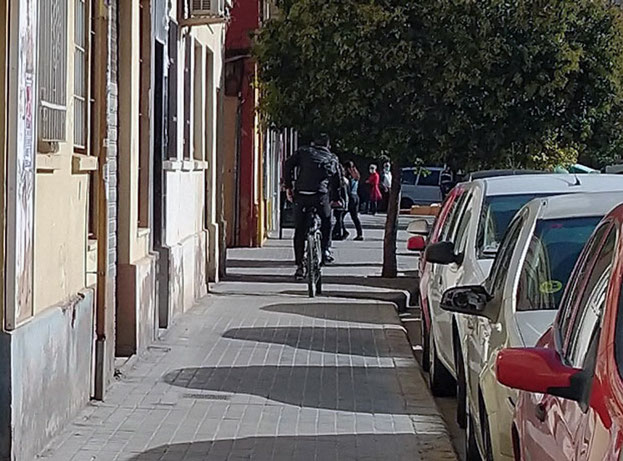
{"points": [[425, 346], [471, 447], [461, 386], [439, 378]]}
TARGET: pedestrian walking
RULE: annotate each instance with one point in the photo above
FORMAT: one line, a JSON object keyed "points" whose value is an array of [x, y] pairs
{"points": [[386, 184], [374, 181], [340, 209], [353, 176]]}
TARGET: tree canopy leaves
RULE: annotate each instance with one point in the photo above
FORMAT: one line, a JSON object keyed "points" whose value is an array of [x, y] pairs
{"points": [[487, 83]]}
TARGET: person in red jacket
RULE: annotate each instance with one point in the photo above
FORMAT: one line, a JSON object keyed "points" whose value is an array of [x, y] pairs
{"points": [[375, 191]]}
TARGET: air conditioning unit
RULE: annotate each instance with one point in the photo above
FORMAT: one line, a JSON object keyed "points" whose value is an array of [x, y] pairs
{"points": [[203, 8]]}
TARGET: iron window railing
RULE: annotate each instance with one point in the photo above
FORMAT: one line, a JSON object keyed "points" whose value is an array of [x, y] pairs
{"points": [[52, 69]]}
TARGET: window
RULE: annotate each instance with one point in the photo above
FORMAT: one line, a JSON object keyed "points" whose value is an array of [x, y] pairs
{"points": [[172, 90], [576, 281], [52, 68], [460, 239], [442, 218], [145, 127], [454, 216], [497, 212], [503, 259], [552, 253], [591, 304], [82, 40], [428, 177], [210, 114], [198, 104], [188, 55], [408, 177]]}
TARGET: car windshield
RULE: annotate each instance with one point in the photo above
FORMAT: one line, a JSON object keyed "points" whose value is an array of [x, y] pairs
{"points": [[553, 251], [497, 213]]}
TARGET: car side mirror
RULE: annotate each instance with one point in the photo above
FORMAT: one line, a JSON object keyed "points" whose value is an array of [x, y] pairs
{"points": [[419, 227], [416, 243], [471, 300], [540, 370], [442, 253]]}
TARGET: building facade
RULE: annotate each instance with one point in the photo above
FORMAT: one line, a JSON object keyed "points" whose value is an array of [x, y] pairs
{"points": [[253, 152], [110, 193]]}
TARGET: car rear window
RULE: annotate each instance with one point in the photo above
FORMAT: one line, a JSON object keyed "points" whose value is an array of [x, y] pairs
{"points": [[497, 213], [552, 253]]}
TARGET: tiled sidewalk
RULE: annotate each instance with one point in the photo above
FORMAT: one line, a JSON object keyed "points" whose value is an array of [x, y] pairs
{"points": [[260, 372]]}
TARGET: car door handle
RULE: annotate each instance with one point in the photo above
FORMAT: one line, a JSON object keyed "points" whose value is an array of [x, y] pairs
{"points": [[540, 412]]}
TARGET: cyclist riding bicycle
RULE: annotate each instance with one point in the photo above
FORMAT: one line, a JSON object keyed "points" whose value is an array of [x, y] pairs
{"points": [[317, 187]]}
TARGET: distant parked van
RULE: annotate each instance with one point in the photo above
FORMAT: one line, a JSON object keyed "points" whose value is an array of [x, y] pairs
{"points": [[421, 186]]}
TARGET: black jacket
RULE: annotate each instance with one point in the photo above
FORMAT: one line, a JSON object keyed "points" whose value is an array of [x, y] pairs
{"points": [[317, 171]]}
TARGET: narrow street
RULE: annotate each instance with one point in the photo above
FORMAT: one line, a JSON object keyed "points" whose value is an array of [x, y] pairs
{"points": [[259, 371]]}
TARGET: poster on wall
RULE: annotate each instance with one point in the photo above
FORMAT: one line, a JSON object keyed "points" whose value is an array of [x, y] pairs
{"points": [[21, 164]]}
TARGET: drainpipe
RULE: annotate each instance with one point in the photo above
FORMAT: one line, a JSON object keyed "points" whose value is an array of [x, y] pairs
{"points": [[100, 132]]}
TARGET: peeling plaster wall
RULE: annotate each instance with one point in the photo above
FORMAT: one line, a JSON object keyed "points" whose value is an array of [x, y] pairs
{"points": [[45, 373], [187, 273]]}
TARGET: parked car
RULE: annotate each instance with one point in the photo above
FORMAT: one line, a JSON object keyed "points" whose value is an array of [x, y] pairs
{"points": [[496, 173], [429, 239], [573, 405], [515, 305], [466, 249], [420, 186]]}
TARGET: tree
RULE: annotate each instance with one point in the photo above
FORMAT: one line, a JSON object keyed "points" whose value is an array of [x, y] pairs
{"points": [[472, 84]]}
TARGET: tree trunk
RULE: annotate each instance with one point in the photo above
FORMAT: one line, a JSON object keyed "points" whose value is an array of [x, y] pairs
{"points": [[390, 261]]}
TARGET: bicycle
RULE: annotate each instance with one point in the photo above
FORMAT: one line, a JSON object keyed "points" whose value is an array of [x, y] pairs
{"points": [[313, 253]]}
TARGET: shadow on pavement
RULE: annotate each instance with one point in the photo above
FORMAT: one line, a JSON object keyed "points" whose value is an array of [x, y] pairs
{"points": [[365, 342], [399, 299], [341, 312], [321, 447], [258, 263], [344, 388]]}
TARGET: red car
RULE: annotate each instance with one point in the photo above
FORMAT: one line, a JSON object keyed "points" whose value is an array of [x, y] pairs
{"points": [[573, 407], [435, 233]]}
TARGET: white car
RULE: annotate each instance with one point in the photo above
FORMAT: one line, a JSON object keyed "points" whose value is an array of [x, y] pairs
{"points": [[516, 304], [465, 252]]}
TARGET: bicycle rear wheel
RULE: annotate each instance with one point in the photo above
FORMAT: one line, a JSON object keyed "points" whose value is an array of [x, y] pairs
{"points": [[318, 241], [312, 262]]}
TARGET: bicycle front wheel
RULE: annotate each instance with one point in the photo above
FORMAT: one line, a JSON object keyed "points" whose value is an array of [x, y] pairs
{"points": [[312, 265]]}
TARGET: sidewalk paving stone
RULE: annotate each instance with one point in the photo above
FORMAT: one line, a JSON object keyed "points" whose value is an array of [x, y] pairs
{"points": [[257, 371]]}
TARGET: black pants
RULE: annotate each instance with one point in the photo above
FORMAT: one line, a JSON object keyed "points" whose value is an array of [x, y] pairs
{"points": [[374, 205], [302, 203], [353, 209], [339, 229]]}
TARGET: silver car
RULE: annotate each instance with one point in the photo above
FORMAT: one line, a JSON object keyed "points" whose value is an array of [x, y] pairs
{"points": [[420, 186], [516, 304]]}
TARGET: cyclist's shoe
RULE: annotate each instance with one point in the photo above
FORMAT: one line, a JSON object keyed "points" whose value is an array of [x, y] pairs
{"points": [[300, 273], [327, 258]]}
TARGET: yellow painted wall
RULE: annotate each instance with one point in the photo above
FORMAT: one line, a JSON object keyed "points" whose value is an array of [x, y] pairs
{"points": [[61, 199], [133, 245]]}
